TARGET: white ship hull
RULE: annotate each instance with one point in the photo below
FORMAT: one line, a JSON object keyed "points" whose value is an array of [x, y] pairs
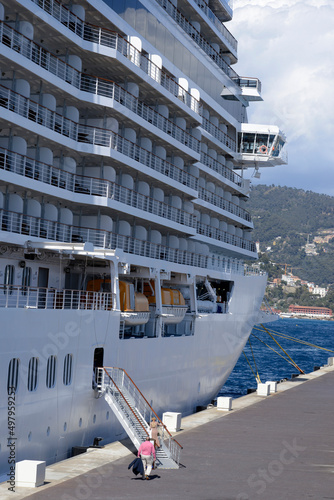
{"points": [[174, 374]]}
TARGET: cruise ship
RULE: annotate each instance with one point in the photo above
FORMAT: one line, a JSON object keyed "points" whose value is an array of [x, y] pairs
{"points": [[126, 159]]}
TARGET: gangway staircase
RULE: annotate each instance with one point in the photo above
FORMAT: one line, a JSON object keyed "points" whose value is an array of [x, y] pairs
{"points": [[134, 414]]}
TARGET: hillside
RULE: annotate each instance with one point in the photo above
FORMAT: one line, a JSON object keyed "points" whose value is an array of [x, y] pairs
{"points": [[284, 218]]}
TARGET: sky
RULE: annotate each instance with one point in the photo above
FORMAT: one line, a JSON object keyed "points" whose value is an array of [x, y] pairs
{"points": [[289, 46]]}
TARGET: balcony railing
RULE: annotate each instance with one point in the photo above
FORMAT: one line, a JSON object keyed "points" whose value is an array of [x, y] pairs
{"points": [[31, 226], [221, 169], [91, 135], [48, 174], [219, 134], [28, 297], [220, 202], [196, 36], [225, 237], [114, 40], [218, 24], [92, 84]]}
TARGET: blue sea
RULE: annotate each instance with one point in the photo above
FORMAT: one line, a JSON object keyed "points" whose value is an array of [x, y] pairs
{"points": [[270, 365]]}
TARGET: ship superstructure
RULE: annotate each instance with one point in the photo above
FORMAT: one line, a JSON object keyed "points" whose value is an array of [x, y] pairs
{"points": [[123, 220]]}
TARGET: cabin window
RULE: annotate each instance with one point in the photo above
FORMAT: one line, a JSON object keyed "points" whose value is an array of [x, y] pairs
{"points": [[32, 374], [13, 375], [26, 279], [9, 279], [67, 372], [51, 372]]}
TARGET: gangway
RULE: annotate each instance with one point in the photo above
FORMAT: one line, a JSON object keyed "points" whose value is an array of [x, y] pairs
{"points": [[134, 414]]}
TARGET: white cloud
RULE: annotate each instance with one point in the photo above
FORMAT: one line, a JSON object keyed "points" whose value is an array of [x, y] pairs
{"points": [[289, 44]]}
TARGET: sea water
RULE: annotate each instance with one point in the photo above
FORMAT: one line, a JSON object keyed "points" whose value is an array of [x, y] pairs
{"points": [[270, 365]]}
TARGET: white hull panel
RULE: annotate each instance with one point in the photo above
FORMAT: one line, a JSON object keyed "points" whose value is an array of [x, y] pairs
{"points": [[189, 374]]}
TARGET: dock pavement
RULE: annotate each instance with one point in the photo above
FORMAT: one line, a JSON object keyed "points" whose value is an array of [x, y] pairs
{"points": [[279, 447]]}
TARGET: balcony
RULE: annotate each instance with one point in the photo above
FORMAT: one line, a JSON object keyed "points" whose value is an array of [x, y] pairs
{"points": [[218, 25], [92, 84], [188, 28], [261, 146], [114, 40], [26, 297], [226, 205], [224, 171], [48, 174], [223, 9], [223, 138], [225, 237], [79, 133], [30, 226]]}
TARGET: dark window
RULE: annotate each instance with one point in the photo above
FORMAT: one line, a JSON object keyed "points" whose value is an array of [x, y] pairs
{"points": [[67, 373], [51, 372], [13, 374], [32, 374]]}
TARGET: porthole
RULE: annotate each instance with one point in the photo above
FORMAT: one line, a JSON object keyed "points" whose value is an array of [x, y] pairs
{"points": [[32, 374], [67, 372], [51, 372], [13, 374]]}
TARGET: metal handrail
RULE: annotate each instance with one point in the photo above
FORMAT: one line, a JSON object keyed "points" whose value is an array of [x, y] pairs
{"points": [[218, 24], [142, 405], [32, 226], [218, 201], [108, 38], [32, 297], [92, 84], [225, 237], [219, 134], [221, 169], [96, 136], [125, 401], [42, 172]]}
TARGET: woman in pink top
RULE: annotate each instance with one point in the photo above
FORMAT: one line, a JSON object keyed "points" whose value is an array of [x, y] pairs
{"points": [[147, 453]]}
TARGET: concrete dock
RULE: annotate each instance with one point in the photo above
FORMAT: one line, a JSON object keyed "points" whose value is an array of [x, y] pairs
{"points": [[279, 447]]}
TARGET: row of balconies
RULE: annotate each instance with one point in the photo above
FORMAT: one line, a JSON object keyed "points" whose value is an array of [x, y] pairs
{"points": [[151, 244], [218, 24], [74, 20], [91, 132], [94, 85], [62, 173], [212, 50], [63, 176]]}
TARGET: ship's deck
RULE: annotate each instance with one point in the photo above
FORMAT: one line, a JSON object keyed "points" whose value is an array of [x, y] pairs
{"points": [[278, 448]]}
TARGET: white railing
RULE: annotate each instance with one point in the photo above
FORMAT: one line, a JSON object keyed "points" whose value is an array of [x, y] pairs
{"points": [[221, 169], [91, 135], [92, 84], [218, 24], [33, 169], [136, 406], [182, 21], [219, 134], [31, 226], [114, 40], [225, 237], [220, 202], [29, 297]]}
